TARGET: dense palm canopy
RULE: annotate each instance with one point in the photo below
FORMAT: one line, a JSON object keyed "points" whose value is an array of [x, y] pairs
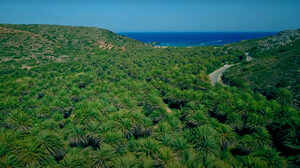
{"points": [[86, 97]]}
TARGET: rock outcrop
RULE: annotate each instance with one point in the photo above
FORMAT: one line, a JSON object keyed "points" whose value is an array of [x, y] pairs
{"points": [[280, 39], [103, 45]]}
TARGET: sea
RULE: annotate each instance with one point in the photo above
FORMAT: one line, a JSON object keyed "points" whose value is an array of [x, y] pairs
{"points": [[189, 39]]}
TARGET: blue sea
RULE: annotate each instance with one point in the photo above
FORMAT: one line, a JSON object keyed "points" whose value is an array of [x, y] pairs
{"points": [[186, 39]]}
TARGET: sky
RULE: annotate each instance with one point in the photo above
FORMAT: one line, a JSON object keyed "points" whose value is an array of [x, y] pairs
{"points": [[157, 15]]}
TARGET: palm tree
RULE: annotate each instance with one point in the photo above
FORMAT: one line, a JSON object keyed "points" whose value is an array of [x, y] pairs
{"points": [[227, 137], [106, 126], [73, 159], [248, 161], [140, 131], [10, 161], [221, 111], [166, 158], [113, 137], [132, 123], [180, 143], [271, 157], [267, 113], [125, 125], [19, 120], [51, 143], [32, 155], [86, 116], [8, 103], [7, 140], [246, 145], [226, 159], [123, 122], [283, 96], [140, 125], [165, 139], [43, 113], [188, 158], [103, 157], [86, 112], [77, 136], [92, 135], [262, 137], [121, 114], [148, 146], [205, 140], [163, 127], [174, 122], [195, 119], [126, 161], [255, 121], [145, 162], [235, 121], [71, 162], [157, 115]]}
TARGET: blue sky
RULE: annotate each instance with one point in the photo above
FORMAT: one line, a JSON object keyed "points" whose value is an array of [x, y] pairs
{"points": [[157, 15]]}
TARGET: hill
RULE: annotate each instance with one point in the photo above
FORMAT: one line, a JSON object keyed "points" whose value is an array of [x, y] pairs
{"points": [[86, 97], [275, 70], [271, 42]]}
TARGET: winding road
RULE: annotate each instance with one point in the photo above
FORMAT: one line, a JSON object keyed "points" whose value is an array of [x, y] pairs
{"points": [[215, 76]]}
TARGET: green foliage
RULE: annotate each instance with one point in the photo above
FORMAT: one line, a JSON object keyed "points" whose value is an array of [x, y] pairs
{"points": [[205, 140], [103, 157], [69, 100], [273, 73]]}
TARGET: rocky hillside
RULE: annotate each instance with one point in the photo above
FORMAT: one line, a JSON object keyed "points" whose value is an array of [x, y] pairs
{"points": [[274, 41], [281, 39]]}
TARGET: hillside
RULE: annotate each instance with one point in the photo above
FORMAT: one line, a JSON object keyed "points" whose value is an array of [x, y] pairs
{"points": [[275, 70], [86, 97], [280, 39]]}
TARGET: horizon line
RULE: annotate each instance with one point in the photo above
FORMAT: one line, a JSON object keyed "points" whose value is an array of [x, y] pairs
{"points": [[155, 31], [198, 31]]}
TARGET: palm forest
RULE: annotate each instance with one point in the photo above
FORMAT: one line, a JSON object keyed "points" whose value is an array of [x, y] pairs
{"points": [[86, 97]]}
